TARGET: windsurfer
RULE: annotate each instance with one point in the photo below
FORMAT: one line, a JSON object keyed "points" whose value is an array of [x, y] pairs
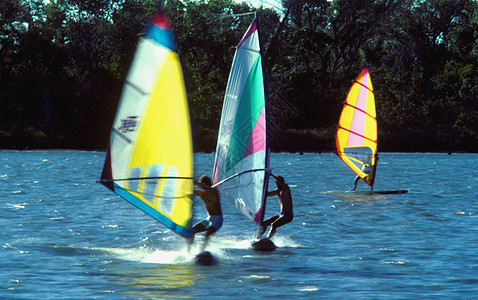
{"points": [[210, 197], [367, 169], [286, 213]]}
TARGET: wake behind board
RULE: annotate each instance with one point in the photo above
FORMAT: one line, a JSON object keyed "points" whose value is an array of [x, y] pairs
{"points": [[263, 244], [205, 258], [388, 192], [391, 192]]}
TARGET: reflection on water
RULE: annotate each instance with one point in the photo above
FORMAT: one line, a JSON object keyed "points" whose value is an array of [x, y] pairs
{"points": [[153, 280], [150, 273]]}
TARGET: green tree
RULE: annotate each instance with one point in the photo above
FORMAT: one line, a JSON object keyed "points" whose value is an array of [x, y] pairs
{"points": [[64, 63], [424, 53]]}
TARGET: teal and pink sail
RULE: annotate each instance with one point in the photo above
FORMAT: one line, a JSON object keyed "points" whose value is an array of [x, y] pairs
{"points": [[242, 153]]}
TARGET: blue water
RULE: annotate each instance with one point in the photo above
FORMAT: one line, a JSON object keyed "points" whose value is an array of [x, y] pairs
{"points": [[64, 236]]}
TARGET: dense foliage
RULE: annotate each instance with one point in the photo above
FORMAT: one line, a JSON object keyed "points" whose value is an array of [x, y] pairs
{"points": [[63, 64]]}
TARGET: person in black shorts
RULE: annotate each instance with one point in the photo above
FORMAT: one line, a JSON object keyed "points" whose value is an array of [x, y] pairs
{"points": [[286, 212]]}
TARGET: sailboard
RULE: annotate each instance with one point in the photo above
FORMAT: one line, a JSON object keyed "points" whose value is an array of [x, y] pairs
{"points": [[241, 168], [390, 192], [263, 244], [149, 160], [356, 139], [205, 258]]}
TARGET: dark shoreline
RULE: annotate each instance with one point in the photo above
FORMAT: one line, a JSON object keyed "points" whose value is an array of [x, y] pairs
{"points": [[300, 152], [320, 140]]}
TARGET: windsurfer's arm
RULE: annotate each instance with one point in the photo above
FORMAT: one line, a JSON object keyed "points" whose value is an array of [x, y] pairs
{"points": [[198, 184], [199, 193], [273, 193]]}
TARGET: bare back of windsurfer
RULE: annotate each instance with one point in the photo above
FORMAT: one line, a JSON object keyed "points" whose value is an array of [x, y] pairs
{"points": [[212, 204]]}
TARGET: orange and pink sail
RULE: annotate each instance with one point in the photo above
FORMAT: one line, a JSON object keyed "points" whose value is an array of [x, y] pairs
{"points": [[356, 138]]}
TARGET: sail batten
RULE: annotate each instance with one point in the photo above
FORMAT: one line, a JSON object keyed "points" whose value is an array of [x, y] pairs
{"points": [[149, 158], [242, 155], [356, 138], [137, 88], [360, 110], [363, 85], [358, 134], [118, 133], [251, 50]]}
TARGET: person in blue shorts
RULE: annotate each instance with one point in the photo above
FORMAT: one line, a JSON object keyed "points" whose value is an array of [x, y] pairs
{"points": [[210, 197], [286, 212]]}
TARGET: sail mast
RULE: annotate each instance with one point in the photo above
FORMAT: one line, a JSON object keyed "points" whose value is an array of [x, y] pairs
{"points": [[267, 140]]}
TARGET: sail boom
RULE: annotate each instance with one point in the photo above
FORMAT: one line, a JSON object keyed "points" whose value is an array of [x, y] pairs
{"points": [[346, 153], [238, 174], [145, 178]]}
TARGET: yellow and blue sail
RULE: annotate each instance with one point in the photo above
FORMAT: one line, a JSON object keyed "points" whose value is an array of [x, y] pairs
{"points": [[242, 153], [149, 161], [356, 139]]}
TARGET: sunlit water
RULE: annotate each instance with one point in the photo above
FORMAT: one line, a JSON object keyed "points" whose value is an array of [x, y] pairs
{"points": [[65, 236]]}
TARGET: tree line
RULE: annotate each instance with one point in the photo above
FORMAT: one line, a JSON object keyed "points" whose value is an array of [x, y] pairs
{"points": [[64, 63]]}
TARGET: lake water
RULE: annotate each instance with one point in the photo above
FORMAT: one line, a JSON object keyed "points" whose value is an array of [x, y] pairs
{"points": [[65, 236]]}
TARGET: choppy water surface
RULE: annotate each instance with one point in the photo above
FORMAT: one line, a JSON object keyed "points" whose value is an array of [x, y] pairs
{"points": [[65, 236]]}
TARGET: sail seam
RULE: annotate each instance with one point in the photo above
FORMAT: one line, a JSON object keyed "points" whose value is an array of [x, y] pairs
{"points": [[238, 174], [135, 87], [360, 135], [361, 110], [121, 135], [363, 86], [249, 49]]}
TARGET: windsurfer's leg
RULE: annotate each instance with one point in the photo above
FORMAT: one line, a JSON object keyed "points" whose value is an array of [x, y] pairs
{"points": [[355, 182], [271, 232], [189, 243], [265, 224], [282, 220], [199, 227], [210, 231]]}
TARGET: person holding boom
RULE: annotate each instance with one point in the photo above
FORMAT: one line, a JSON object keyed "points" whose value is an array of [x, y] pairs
{"points": [[286, 214], [214, 219]]}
